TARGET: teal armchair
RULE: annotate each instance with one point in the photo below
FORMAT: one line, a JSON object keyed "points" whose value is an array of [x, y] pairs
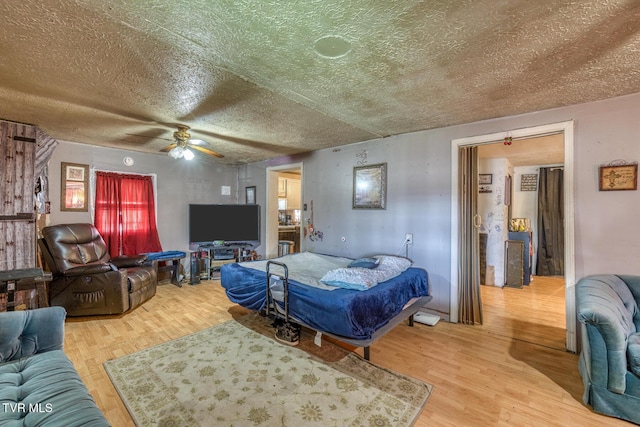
{"points": [[607, 307]]}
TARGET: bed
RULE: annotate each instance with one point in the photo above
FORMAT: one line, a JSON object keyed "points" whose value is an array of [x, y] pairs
{"points": [[355, 313]]}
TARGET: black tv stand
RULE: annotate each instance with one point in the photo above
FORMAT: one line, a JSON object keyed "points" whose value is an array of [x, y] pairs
{"points": [[211, 256]]}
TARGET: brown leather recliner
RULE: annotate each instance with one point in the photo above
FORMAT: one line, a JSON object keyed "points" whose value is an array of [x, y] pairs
{"points": [[86, 281]]}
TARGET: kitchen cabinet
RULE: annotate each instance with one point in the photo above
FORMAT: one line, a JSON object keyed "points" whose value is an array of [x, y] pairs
{"points": [[293, 193], [282, 187]]}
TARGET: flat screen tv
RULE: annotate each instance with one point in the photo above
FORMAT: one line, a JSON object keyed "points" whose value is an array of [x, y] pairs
{"points": [[228, 223]]}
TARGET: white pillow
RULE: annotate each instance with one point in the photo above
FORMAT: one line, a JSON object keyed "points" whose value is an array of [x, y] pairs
{"points": [[364, 278], [357, 278], [395, 263]]}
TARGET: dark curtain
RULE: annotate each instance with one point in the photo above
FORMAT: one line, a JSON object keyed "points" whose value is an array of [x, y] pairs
{"points": [[550, 223], [125, 213], [470, 301]]}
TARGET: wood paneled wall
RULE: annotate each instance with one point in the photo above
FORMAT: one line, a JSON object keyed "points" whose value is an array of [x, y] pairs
{"points": [[17, 206]]}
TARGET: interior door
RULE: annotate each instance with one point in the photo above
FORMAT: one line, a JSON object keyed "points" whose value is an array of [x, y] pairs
{"points": [[470, 308], [17, 205]]}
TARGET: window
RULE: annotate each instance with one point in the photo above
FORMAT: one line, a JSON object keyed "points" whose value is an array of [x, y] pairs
{"points": [[125, 213]]}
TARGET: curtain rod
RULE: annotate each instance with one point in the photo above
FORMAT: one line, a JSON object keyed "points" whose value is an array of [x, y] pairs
{"points": [[122, 173]]}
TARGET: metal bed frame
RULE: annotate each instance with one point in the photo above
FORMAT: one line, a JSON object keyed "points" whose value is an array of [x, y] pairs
{"points": [[272, 309]]}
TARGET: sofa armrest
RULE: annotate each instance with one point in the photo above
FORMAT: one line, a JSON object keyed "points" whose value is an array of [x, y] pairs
{"points": [[25, 333], [600, 307]]}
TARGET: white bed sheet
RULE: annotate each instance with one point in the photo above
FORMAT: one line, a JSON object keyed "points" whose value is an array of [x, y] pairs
{"points": [[304, 267]]}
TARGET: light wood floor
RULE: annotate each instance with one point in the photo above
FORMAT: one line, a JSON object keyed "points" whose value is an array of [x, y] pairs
{"points": [[511, 371]]}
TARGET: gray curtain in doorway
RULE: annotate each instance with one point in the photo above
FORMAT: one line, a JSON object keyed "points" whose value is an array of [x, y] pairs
{"points": [[550, 223], [470, 302]]}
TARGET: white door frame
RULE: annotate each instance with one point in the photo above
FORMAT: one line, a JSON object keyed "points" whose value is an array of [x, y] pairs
{"points": [[569, 241], [271, 220]]}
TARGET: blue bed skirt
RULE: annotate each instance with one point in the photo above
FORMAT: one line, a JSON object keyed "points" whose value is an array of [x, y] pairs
{"points": [[343, 312]]}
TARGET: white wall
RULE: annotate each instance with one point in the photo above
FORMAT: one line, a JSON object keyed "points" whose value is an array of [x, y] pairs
{"points": [[179, 182], [495, 215], [419, 191]]}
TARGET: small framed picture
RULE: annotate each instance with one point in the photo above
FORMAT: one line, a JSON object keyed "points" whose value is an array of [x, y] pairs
{"points": [[617, 178], [485, 178], [74, 187], [250, 194], [370, 186]]}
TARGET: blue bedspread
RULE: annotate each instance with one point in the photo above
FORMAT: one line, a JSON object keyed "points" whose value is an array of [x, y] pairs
{"points": [[343, 312]]}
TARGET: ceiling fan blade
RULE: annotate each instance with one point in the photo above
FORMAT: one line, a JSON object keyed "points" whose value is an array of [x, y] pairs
{"points": [[206, 151], [241, 141], [146, 137], [168, 148], [224, 94]]}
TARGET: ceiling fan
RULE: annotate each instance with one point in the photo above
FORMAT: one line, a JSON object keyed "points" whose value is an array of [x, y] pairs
{"points": [[183, 143]]}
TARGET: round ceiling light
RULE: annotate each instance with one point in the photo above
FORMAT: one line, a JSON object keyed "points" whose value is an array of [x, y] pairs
{"points": [[332, 46]]}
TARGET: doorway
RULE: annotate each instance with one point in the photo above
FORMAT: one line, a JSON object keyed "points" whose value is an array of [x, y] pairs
{"points": [[284, 208], [566, 129], [512, 236]]}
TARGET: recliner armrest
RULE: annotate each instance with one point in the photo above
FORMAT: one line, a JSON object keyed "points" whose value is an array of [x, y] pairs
{"points": [[25, 333], [87, 270], [124, 261]]}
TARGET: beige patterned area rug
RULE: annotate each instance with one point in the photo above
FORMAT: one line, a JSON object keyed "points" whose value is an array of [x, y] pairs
{"points": [[233, 375]]}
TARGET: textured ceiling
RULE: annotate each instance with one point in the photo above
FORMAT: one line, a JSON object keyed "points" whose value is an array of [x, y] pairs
{"points": [[246, 75]]}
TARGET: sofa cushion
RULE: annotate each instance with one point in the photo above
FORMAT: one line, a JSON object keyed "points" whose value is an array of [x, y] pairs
{"points": [[633, 354], [45, 389], [24, 333]]}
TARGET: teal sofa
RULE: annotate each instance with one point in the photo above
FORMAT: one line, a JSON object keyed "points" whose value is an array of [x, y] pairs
{"points": [[38, 384], [607, 307]]}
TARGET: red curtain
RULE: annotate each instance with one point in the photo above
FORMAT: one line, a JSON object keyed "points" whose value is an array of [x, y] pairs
{"points": [[125, 213]]}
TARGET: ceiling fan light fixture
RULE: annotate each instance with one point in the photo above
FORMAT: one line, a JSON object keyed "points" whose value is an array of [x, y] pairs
{"points": [[188, 154], [183, 146], [176, 152]]}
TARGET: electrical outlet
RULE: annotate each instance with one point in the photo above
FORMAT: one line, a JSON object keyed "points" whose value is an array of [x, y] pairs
{"points": [[408, 238]]}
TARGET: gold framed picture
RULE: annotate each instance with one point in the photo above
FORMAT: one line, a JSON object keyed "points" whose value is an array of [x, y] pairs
{"points": [[618, 177], [74, 187], [370, 186]]}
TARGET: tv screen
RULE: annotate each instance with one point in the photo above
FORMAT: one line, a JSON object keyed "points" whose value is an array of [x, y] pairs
{"points": [[231, 223]]}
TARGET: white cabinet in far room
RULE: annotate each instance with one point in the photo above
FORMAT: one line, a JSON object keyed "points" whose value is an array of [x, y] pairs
{"points": [[293, 193]]}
